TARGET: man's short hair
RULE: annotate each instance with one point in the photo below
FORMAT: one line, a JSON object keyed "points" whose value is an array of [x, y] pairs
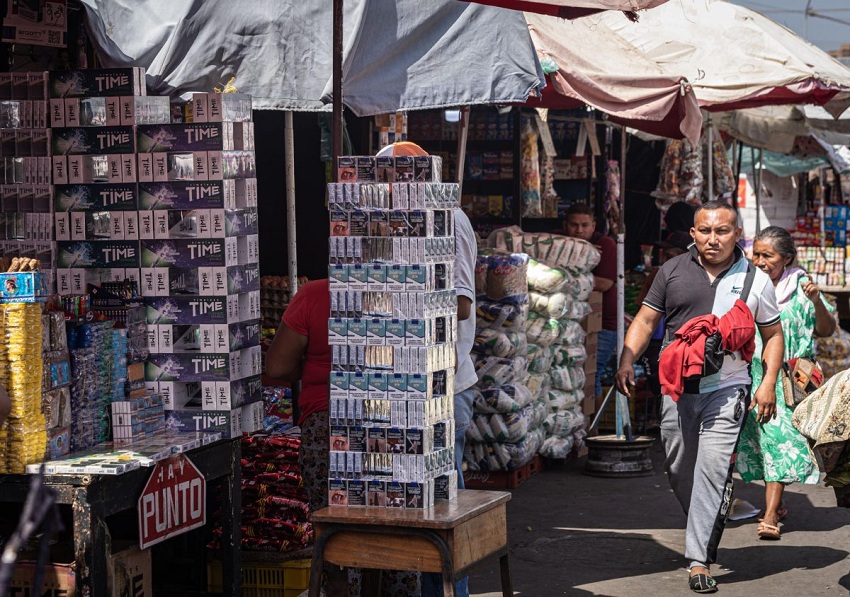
{"points": [[715, 205], [580, 209]]}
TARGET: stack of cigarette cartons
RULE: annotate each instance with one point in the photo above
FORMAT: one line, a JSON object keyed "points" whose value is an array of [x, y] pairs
{"points": [[26, 228], [94, 115], [392, 330], [199, 255]]}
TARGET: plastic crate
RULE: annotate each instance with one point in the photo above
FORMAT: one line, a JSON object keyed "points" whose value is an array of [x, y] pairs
{"points": [[266, 579]]}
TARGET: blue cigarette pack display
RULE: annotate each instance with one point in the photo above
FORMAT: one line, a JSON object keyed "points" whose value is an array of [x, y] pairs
{"points": [[93, 140], [87, 197], [202, 309], [22, 287], [181, 137], [97, 253], [204, 366], [182, 195], [96, 82], [184, 253]]}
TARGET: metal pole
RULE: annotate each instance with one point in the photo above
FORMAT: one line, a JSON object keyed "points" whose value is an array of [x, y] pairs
{"points": [[289, 165], [337, 85], [709, 137], [758, 190], [622, 419], [461, 146]]}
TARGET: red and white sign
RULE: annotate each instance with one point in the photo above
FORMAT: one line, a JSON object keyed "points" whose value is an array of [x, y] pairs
{"points": [[173, 502]]}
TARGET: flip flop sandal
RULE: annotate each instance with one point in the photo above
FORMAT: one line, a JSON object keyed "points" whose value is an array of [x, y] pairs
{"points": [[702, 583], [768, 531]]}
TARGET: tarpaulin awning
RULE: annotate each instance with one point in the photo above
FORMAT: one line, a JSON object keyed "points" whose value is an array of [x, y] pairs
{"points": [[776, 128], [595, 66], [571, 9], [280, 51], [733, 56], [416, 54]]}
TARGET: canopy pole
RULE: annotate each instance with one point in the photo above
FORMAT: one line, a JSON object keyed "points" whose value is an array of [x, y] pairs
{"points": [[623, 424], [760, 168], [461, 146], [336, 148], [289, 164], [710, 151], [738, 169]]}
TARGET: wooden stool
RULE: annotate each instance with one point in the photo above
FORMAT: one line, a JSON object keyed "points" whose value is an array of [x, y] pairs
{"points": [[449, 538]]}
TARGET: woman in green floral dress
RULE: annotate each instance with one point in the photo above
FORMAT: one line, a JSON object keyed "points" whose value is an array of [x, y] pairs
{"points": [[775, 451]]}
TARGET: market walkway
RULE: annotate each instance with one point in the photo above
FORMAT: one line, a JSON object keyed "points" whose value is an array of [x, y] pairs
{"points": [[571, 534]]}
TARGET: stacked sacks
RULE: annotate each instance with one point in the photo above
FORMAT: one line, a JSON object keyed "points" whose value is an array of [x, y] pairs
{"points": [[560, 282], [501, 435]]}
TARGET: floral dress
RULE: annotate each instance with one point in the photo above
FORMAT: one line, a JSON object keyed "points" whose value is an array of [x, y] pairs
{"points": [[775, 451]]}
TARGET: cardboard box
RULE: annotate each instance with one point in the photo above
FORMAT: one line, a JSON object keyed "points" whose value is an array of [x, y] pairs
{"points": [[593, 322], [130, 573], [591, 344], [59, 579], [204, 366], [203, 309]]}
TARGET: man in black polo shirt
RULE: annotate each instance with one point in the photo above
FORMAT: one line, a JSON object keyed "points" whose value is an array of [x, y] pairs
{"points": [[700, 431]]}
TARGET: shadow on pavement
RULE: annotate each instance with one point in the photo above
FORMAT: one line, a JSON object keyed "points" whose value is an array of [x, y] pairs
{"points": [[775, 560]]}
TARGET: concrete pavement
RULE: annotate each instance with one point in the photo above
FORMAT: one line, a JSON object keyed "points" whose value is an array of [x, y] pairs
{"points": [[572, 534]]}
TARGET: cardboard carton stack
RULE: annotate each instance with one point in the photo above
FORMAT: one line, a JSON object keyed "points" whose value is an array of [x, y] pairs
{"points": [[592, 324], [392, 329], [199, 258], [26, 228]]}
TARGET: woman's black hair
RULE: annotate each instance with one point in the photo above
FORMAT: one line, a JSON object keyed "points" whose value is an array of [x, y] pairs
{"points": [[780, 239]]}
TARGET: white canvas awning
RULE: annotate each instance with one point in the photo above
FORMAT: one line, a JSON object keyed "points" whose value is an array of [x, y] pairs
{"points": [[571, 9], [776, 128], [595, 66], [733, 56]]}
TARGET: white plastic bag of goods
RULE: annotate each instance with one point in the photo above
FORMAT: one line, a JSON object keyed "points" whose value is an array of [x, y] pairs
{"points": [[567, 378], [498, 371], [522, 452], [536, 383], [564, 423], [541, 411], [556, 447], [500, 343], [543, 331], [573, 334], [581, 286], [500, 316], [558, 400], [569, 356], [506, 398], [539, 358], [506, 239], [546, 279]]}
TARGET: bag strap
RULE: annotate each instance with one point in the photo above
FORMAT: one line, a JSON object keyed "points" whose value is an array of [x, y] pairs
{"points": [[748, 281]]}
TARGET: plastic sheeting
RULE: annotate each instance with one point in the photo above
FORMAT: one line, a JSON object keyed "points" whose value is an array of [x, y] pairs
{"points": [[405, 54], [733, 56]]}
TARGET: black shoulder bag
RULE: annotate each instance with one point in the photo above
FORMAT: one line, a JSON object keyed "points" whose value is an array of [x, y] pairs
{"points": [[714, 351]]}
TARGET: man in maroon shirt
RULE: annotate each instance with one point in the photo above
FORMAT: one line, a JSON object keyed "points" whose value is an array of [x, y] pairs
{"points": [[580, 224]]}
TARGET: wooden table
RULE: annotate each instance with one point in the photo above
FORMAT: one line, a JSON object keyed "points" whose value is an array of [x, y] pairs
{"points": [[93, 498], [449, 538]]}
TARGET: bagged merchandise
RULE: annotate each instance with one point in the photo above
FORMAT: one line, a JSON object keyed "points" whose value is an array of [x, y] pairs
{"points": [[833, 353], [573, 334], [498, 371], [500, 316], [571, 254], [481, 277], [529, 167], [681, 175], [557, 447], [564, 422], [546, 279], [567, 378], [506, 276], [505, 399], [537, 383], [500, 344], [500, 428], [569, 356], [540, 358], [543, 331], [482, 457], [558, 400], [554, 305]]}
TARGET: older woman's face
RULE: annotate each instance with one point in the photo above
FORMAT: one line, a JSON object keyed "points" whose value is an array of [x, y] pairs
{"points": [[768, 259]]}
